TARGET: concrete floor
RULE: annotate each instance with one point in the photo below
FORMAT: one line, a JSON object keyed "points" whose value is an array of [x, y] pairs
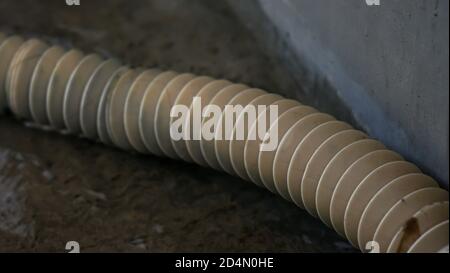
{"points": [[56, 188]]}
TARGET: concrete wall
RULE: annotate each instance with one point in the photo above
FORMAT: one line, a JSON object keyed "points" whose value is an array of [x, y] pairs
{"points": [[388, 65]]}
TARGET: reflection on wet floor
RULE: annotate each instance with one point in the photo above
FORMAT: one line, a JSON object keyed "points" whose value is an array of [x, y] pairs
{"points": [[56, 188]]}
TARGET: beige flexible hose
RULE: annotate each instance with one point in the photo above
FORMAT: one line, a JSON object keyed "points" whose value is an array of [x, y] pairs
{"points": [[367, 193]]}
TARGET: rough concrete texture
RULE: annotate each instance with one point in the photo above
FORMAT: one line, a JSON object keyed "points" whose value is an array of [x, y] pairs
{"points": [[56, 188], [388, 65], [383, 68]]}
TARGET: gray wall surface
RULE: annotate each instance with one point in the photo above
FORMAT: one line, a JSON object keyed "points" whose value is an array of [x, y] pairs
{"points": [[388, 65]]}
